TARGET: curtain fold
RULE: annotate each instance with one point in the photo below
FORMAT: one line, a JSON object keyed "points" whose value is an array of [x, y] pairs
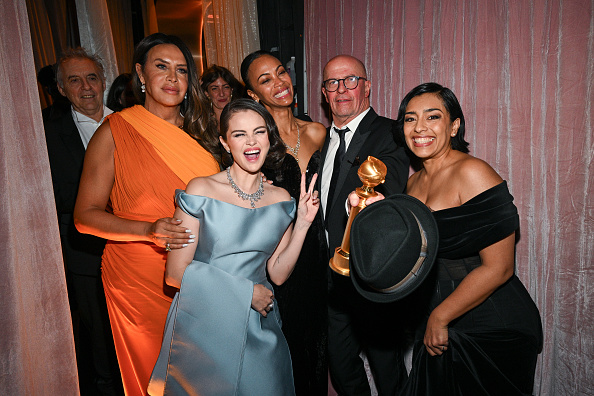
{"points": [[49, 27], [120, 17], [95, 34], [523, 72], [230, 32], [36, 346]]}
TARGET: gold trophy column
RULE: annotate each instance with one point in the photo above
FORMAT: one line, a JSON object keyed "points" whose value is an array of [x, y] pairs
{"points": [[372, 172]]}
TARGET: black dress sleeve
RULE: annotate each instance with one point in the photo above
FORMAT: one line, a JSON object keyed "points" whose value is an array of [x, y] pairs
{"points": [[480, 222]]}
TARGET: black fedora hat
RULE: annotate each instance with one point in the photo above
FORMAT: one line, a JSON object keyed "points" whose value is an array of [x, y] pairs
{"points": [[393, 246]]}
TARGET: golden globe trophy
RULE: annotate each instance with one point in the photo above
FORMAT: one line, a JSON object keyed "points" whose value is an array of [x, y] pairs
{"points": [[372, 172]]}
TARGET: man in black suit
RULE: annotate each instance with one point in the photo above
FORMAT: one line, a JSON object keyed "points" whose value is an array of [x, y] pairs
{"points": [[355, 324], [81, 79]]}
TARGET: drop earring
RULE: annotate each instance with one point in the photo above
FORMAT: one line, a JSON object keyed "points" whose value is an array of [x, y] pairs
{"points": [[143, 88]]}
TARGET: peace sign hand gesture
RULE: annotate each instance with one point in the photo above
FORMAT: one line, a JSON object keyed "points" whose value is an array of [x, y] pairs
{"points": [[309, 203]]}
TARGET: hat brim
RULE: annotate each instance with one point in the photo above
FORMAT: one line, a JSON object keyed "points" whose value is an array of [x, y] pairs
{"points": [[366, 224]]}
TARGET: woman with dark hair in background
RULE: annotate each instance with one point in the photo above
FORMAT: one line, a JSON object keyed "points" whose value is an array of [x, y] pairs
{"points": [[121, 93], [227, 338], [302, 299], [220, 87], [134, 163], [483, 332]]}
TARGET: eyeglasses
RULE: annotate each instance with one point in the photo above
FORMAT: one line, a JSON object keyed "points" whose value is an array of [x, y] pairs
{"points": [[350, 82]]}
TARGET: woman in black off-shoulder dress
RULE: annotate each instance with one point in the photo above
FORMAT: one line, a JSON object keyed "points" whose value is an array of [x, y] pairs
{"points": [[482, 333], [302, 298]]}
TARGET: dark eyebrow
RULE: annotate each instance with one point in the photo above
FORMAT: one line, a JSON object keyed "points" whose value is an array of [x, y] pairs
{"points": [[166, 61], [425, 111], [264, 74]]}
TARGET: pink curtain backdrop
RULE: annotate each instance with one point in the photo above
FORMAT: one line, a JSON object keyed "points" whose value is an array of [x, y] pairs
{"points": [[523, 72], [36, 344]]}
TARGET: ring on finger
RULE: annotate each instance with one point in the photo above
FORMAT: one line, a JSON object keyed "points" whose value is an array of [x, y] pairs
{"points": [[270, 306], [167, 247]]}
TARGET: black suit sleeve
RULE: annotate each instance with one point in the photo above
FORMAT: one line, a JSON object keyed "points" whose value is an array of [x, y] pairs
{"points": [[396, 160]]}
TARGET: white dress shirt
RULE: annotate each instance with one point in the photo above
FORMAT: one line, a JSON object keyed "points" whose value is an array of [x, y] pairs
{"points": [[331, 153], [87, 126]]}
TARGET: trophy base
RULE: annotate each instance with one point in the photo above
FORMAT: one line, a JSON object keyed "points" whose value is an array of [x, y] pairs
{"points": [[340, 262]]}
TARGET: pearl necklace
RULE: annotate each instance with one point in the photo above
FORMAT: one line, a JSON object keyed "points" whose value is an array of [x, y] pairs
{"points": [[251, 197], [294, 151]]}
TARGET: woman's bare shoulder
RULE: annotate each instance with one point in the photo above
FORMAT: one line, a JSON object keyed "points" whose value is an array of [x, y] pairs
{"points": [[474, 176], [102, 142], [276, 194], [315, 131], [204, 185]]}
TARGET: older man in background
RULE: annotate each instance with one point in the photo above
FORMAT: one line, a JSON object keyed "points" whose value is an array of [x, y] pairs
{"points": [[81, 79]]}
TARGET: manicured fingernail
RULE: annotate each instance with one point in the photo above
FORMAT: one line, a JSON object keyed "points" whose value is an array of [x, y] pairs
{"points": [[190, 241], [188, 230], [192, 236], [184, 245]]}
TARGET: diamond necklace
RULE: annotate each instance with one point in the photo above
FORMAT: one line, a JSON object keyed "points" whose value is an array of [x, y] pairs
{"points": [[294, 151], [251, 197]]}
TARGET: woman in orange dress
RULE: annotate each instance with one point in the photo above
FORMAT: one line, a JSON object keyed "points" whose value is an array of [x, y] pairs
{"points": [[133, 165]]}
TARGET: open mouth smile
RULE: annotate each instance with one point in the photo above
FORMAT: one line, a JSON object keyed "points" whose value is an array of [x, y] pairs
{"points": [[252, 155]]}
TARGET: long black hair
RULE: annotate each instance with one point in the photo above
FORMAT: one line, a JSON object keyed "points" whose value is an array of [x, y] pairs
{"points": [[194, 108]]}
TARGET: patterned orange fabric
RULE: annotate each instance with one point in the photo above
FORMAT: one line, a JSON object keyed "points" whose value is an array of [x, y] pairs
{"points": [[152, 158]]}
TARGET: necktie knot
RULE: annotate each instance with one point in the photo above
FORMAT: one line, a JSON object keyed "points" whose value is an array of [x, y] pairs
{"points": [[341, 132], [340, 152]]}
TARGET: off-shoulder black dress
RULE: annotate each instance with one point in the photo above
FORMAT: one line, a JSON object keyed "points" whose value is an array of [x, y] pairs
{"points": [[492, 348]]}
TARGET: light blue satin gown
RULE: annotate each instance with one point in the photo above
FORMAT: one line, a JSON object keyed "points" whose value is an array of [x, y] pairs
{"points": [[214, 342]]}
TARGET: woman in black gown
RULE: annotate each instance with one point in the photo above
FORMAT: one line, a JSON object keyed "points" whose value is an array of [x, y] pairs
{"points": [[302, 298], [483, 332]]}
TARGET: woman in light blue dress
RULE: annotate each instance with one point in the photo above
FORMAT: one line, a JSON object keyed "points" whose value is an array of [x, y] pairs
{"points": [[223, 334]]}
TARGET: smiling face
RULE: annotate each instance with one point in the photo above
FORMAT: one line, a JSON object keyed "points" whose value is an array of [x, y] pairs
{"points": [[270, 82], [83, 86], [165, 75], [427, 127], [346, 104], [247, 140], [219, 93]]}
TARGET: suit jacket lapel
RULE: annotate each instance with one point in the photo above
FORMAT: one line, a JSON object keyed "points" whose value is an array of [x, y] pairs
{"points": [[72, 140], [354, 147], [321, 168]]}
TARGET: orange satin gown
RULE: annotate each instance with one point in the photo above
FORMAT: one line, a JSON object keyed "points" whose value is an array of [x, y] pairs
{"points": [[152, 158]]}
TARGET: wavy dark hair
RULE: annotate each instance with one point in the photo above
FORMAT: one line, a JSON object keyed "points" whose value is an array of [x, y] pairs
{"points": [[194, 108], [247, 62], [449, 101], [209, 76], [118, 86], [215, 72], [277, 150]]}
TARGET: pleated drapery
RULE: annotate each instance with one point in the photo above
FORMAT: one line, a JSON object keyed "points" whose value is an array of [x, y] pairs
{"points": [[230, 32], [36, 343], [523, 72]]}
